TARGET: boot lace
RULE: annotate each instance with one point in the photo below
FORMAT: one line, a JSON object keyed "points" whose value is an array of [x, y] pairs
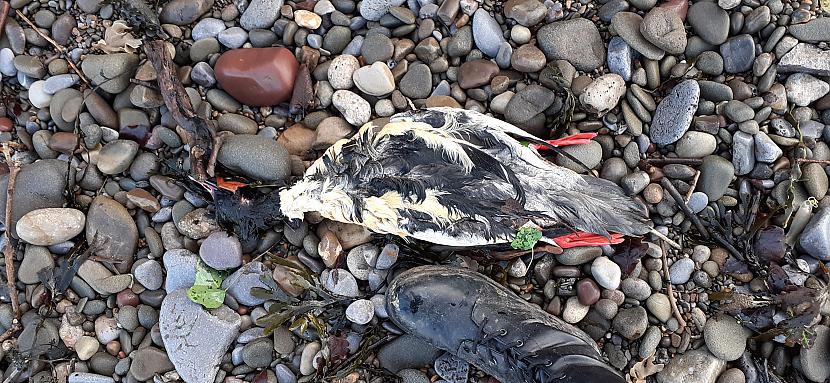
{"points": [[495, 349]]}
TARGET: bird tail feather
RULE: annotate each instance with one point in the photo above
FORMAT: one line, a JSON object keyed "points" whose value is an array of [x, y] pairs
{"points": [[599, 207]]}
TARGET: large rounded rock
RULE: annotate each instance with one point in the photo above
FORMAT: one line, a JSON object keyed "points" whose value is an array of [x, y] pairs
{"points": [[112, 232], [631, 323], [815, 239], [110, 72], [627, 26], [695, 366], [715, 176], [260, 14], [664, 28], [255, 156], [576, 41], [257, 76], [725, 337], [38, 185], [50, 226], [709, 21]]}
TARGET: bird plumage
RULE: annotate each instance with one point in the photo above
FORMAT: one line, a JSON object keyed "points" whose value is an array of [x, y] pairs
{"points": [[454, 177]]}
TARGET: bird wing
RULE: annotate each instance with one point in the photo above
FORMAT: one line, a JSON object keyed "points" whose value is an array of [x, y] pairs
{"points": [[496, 137], [412, 180], [580, 202]]}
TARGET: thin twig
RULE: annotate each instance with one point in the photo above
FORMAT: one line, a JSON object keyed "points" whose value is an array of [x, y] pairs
{"points": [[145, 84], [8, 250], [218, 140], [671, 161], [678, 199], [692, 187], [57, 46], [666, 239], [808, 161], [670, 290]]}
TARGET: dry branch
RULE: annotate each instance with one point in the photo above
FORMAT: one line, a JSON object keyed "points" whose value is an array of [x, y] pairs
{"points": [[678, 199], [8, 250], [178, 103], [670, 289], [58, 47]]}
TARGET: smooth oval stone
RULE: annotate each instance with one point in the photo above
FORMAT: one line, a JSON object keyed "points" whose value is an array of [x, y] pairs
{"points": [[674, 113], [257, 76], [476, 73], [46, 227]]}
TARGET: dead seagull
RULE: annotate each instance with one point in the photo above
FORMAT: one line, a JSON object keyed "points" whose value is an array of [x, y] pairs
{"points": [[456, 177]]}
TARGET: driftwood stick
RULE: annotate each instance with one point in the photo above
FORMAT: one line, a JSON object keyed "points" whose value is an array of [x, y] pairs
{"points": [[178, 103], [61, 49], [670, 290], [8, 249]]}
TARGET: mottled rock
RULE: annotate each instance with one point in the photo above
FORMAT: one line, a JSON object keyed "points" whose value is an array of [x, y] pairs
{"points": [[695, 366], [674, 113]]}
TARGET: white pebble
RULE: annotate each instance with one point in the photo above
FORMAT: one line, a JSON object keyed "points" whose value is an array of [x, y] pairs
{"points": [[360, 311], [37, 96]]}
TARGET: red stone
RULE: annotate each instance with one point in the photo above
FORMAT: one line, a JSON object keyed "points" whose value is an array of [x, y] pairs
{"points": [[678, 7], [137, 133], [6, 124], [257, 76], [587, 292], [127, 298]]}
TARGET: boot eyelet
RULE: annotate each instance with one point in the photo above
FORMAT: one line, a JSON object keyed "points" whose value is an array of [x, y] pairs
{"points": [[503, 332], [520, 343]]}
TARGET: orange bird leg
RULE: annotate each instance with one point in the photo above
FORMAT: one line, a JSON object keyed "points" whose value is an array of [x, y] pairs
{"points": [[582, 238], [576, 139]]}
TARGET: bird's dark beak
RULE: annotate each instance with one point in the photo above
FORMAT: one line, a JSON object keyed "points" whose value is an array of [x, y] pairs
{"points": [[294, 223]]}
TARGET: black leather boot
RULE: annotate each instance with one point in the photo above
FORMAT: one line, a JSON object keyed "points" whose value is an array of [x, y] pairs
{"points": [[487, 325]]}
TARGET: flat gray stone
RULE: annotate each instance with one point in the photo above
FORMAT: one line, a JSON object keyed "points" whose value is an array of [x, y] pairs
{"points": [[815, 361], [695, 366], [814, 31], [487, 33], [181, 269], [576, 41], [112, 230], [260, 14], [806, 58], [196, 339]]}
